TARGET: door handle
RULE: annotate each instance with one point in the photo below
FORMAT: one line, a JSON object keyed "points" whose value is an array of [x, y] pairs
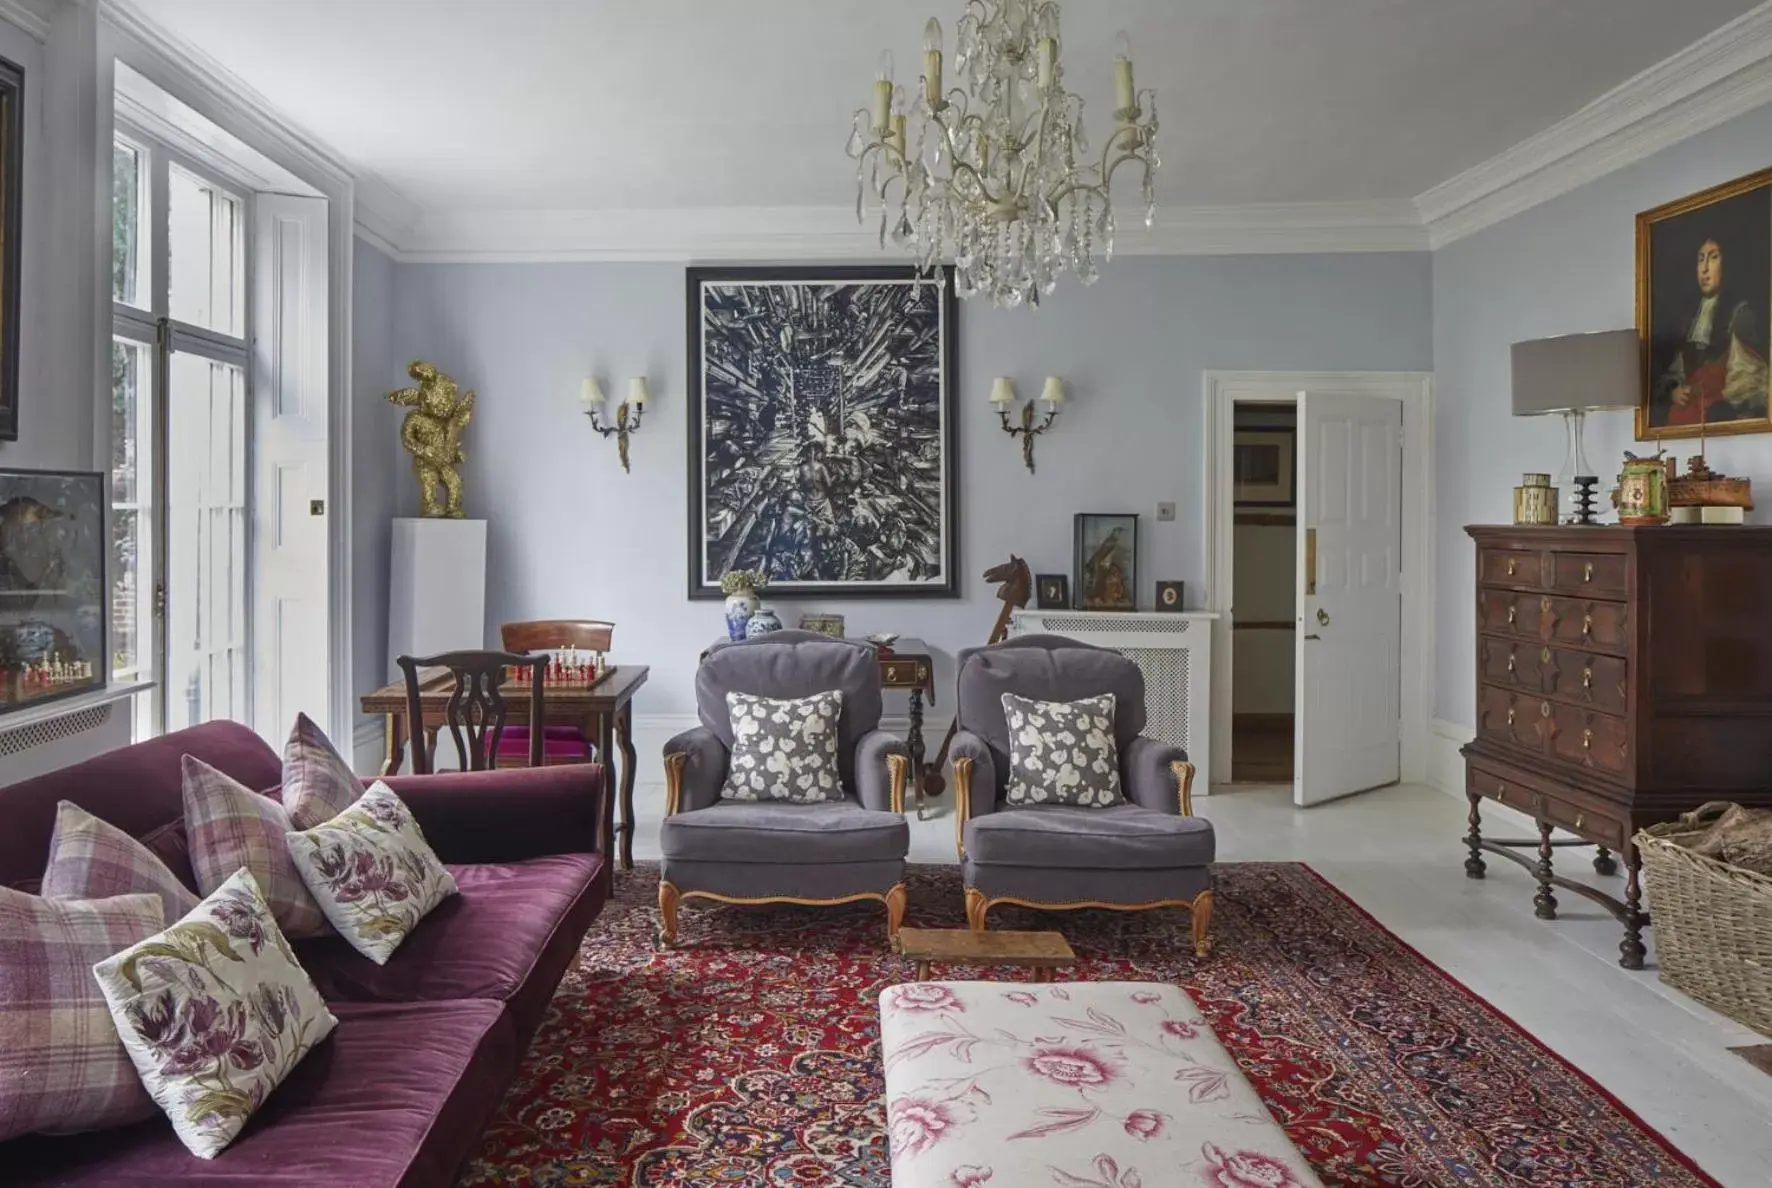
{"points": [[1311, 636], [1322, 617]]}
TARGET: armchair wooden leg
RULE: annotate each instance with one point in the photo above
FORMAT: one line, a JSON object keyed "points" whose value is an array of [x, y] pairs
{"points": [[1201, 911], [667, 915], [976, 907], [897, 899]]}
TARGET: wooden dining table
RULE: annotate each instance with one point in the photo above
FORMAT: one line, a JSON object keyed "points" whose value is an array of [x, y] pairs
{"points": [[603, 713]]}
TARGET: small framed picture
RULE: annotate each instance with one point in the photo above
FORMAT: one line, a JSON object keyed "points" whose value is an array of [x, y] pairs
{"points": [[1052, 591], [1105, 561], [1169, 596], [1264, 468], [831, 625]]}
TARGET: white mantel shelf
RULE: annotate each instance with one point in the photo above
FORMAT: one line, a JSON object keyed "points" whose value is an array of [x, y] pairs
{"points": [[51, 710], [1110, 617]]}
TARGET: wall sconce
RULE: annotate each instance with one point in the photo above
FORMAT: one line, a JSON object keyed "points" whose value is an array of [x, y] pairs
{"points": [[627, 413], [1003, 395]]}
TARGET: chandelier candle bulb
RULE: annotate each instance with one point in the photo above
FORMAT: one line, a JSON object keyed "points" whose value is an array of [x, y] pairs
{"points": [[1125, 93], [1048, 61], [932, 62], [898, 137]]}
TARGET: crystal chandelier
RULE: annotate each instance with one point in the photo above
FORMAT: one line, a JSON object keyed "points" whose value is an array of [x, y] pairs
{"points": [[998, 175]]}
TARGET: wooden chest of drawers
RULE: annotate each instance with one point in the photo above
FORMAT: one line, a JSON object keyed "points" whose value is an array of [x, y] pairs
{"points": [[1624, 676]]}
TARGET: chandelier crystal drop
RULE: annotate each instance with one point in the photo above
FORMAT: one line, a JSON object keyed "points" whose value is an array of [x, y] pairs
{"points": [[997, 175]]}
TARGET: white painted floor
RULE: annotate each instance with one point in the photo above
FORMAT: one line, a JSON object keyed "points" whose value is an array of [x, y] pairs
{"points": [[1398, 852]]}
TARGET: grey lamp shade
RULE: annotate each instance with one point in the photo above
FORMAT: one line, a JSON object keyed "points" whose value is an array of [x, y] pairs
{"points": [[1577, 373]]}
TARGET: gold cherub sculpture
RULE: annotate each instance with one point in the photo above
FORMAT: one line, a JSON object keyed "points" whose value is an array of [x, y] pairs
{"points": [[432, 433]]}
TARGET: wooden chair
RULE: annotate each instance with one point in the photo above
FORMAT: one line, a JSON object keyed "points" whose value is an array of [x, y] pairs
{"points": [[476, 712], [560, 743]]}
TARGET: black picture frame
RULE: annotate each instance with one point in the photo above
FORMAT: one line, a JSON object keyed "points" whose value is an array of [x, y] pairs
{"points": [[1171, 596], [1052, 591], [35, 620], [1277, 445], [12, 164], [855, 535], [1090, 533]]}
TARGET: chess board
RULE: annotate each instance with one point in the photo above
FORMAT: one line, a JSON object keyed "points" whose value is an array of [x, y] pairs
{"points": [[575, 679]]}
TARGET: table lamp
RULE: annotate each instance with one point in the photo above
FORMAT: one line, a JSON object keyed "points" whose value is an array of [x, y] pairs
{"points": [[1576, 374]]}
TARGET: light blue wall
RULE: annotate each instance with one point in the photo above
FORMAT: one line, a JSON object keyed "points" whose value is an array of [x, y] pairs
{"points": [[1560, 268], [376, 471], [571, 535]]}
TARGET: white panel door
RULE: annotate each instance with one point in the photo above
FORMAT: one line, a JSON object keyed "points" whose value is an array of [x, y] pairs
{"points": [[291, 670], [1348, 711]]}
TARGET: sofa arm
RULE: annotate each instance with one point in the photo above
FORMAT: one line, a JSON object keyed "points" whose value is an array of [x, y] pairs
{"points": [[507, 815], [1158, 776], [975, 782], [695, 770], [882, 770]]}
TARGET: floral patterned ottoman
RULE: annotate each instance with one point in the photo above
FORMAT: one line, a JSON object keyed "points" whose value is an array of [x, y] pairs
{"points": [[1081, 1084]]}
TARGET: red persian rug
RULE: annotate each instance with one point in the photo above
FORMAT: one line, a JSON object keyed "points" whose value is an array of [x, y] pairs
{"points": [[750, 1055]]}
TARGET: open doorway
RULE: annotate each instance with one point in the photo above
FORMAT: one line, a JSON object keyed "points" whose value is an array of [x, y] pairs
{"points": [[1264, 543], [1318, 517]]}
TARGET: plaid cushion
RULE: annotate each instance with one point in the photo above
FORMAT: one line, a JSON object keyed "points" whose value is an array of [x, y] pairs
{"points": [[318, 784], [91, 859], [230, 827], [62, 1066]]}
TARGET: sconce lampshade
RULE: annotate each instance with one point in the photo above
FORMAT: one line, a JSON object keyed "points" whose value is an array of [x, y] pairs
{"points": [[1576, 373], [590, 392], [1002, 390], [1053, 393], [637, 393]]}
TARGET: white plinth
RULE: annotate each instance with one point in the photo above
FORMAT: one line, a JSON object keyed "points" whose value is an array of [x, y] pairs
{"points": [[436, 587]]}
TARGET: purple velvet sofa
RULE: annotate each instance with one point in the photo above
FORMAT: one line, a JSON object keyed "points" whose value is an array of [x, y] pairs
{"points": [[425, 1046]]}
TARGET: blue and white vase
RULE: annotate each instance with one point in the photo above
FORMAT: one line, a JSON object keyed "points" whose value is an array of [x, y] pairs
{"points": [[739, 609], [762, 623]]}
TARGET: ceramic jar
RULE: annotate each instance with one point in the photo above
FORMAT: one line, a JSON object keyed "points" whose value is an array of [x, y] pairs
{"points": [[739, 609], [1535, 500], [1642, 491], [762, 622]]}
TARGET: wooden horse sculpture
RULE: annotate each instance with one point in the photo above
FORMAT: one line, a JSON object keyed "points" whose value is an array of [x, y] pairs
{"points": [[1015, 584]]}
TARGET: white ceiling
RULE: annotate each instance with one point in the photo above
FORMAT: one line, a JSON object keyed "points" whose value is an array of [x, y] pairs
{"points": [[634, 104]]}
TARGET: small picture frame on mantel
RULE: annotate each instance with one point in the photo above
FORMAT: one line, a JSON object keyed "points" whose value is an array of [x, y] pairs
{"points": [[1105, 560], [1052, 591]]}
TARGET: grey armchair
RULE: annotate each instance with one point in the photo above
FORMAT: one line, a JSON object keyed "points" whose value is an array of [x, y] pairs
{"points": [[1150, 852], [737, 851]]}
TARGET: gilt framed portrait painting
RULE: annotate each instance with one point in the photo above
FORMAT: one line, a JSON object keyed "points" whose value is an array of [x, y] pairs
{"points": [[1704, 284], [822, 447]]}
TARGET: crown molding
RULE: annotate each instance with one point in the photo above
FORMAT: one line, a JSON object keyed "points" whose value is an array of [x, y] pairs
{"points": [[831, 232], [27, 17], [1716, 78]]}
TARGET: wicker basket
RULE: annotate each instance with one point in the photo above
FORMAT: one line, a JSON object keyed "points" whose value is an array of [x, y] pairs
{"points": [[1713, 923]]}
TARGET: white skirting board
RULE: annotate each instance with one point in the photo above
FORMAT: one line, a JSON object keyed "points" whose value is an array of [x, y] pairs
{"points": [[1445, 771]]}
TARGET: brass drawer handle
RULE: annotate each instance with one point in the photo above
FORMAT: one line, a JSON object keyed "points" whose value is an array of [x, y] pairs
{"points": [[1510, 566], [1587, 677], [1580, 820], [922, 675], [1510, 715], [1510, 663], [1587, 740], [1501, 792], [1587, 572], [1544, 604], [1511, 612], [1587, 625], [891, 674], [1544, 709], [1544, 655]]}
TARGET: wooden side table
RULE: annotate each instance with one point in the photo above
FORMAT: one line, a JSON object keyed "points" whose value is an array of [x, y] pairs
{"points": [[1041, 952], [908, 665]]}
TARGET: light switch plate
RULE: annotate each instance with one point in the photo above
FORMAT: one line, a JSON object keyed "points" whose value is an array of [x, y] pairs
{"points": [[1165, 511]]}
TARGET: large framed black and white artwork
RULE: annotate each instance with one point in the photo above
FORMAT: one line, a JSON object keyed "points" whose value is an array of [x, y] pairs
{"points": [[822, 446]]}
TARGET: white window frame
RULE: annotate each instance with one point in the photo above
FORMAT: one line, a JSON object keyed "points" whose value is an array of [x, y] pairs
{"points": [[152, 325]]}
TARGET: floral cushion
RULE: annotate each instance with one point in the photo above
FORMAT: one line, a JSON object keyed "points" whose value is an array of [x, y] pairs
{"points": [[231, 826], [92, 859], [215, 1012], [62, 1068], [784, 750], [1062, 752], [372, 872], [1089, 1084], [318, 784]]}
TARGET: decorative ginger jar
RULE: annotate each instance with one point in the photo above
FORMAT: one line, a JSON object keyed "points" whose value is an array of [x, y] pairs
{"points": [[762, 622], [739, 609], [1642, 491]]}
